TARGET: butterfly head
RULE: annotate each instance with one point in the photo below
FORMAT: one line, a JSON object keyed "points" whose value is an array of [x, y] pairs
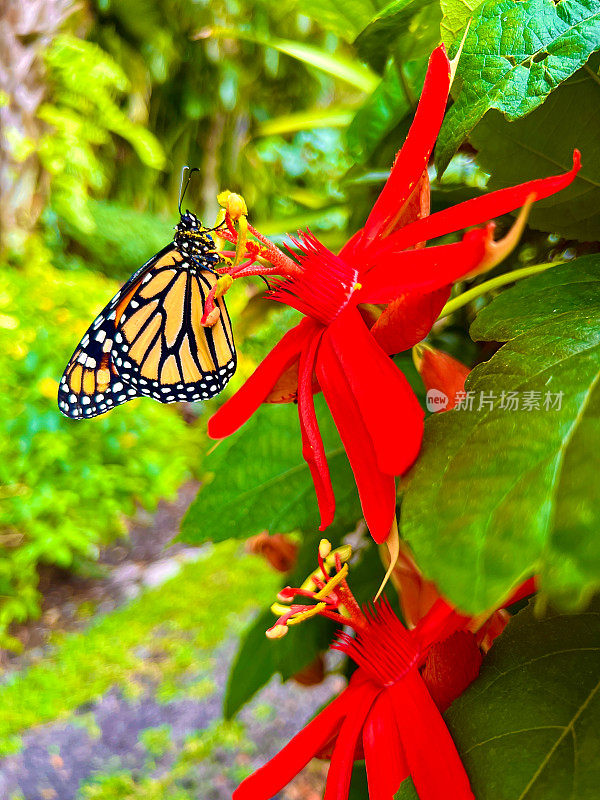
{"points": [[193, 239]]}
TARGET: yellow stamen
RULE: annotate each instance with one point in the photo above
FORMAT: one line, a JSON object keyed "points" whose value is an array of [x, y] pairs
{"points": [[324, 548], [233, 203], [223, 284], [276, 632], [311, 612], [332, 583]]}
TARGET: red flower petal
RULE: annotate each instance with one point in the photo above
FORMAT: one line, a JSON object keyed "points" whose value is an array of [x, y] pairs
{"points": [[408, 319], [342, 760], [423, 270], [279, 771], [413, 158], [239, 408], [451, 665], [312, 443], [416, 207], [474, 212], [377, 491], [433, 761], [391, 412], [384, 758], [438, 623]]}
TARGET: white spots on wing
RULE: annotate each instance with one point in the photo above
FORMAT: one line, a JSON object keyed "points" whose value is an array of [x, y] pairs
{"points": [[100, 336]]}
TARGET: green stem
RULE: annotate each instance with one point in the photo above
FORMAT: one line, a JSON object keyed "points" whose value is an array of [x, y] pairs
{"points": [[500, 280]]}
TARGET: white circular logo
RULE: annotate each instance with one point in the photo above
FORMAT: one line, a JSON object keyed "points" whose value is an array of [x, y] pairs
{"points": [[436, 400]]}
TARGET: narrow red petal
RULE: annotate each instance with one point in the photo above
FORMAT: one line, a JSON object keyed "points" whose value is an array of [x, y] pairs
{"points": [[342, 760], [391, 412], [279, 771], [474, 212], [377, 491], [423, 270], [239, 408], [413, 158], [408, 319], [433, 761], [312, 443], [384, 757]]}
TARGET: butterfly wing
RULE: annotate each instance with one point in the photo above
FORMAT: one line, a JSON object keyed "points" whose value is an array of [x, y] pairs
{"points": [[90, 384], [160, 348]]}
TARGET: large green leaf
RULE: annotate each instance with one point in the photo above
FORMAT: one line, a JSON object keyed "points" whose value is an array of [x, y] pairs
{"points": [[260, 480], [514, 55], [408, 25], [345, 19], [497, 493], [542, 144], [455, 16], [527, 728], [333, 64]]}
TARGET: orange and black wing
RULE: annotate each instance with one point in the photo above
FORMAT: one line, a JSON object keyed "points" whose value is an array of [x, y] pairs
{"points": [[160, 348], [90, 384]]}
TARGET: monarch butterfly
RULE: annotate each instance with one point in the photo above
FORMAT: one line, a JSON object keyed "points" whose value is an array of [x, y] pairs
{"points": [[148, 340]]}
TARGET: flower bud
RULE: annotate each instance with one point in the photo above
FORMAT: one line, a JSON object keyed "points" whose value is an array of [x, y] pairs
{"points": [[443, 375]]}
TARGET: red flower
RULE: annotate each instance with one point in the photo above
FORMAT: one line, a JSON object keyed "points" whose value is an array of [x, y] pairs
{"points": [[386, 712], [340, 346], [390, 712]]}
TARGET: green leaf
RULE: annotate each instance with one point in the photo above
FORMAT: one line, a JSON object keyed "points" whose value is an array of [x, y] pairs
{"points": [[333, 64], [455, 16], [514, 55], [409, 22], [527, 728], [384, 109], [497, 493], [260, 480], [306, 121], [542, 144], [345, 19]]}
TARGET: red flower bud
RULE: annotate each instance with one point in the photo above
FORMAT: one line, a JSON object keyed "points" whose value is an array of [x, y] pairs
{"points": [[444, 376]]}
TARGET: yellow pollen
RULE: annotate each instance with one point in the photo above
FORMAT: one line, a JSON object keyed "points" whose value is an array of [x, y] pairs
{"points": [[302, 615], [223, 284], [324, 548], [276, 632], [356, 287], [233, 203], [332, 583]]}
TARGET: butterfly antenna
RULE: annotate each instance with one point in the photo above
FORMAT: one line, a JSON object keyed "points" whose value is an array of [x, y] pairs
{"points": [[262, 277], [185, 179]]}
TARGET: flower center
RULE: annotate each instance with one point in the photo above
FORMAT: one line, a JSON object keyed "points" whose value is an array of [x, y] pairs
{"points": [[324, 284], [384, 648]]}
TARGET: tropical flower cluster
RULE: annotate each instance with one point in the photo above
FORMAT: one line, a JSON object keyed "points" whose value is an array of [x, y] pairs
{"points": [[378, 296]]}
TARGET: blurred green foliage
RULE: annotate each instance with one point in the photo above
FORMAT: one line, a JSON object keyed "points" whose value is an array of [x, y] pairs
{"points": [[66, 486]]}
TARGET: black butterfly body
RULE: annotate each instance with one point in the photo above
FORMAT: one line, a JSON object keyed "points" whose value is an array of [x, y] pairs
{"points": [[148, 340]]}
